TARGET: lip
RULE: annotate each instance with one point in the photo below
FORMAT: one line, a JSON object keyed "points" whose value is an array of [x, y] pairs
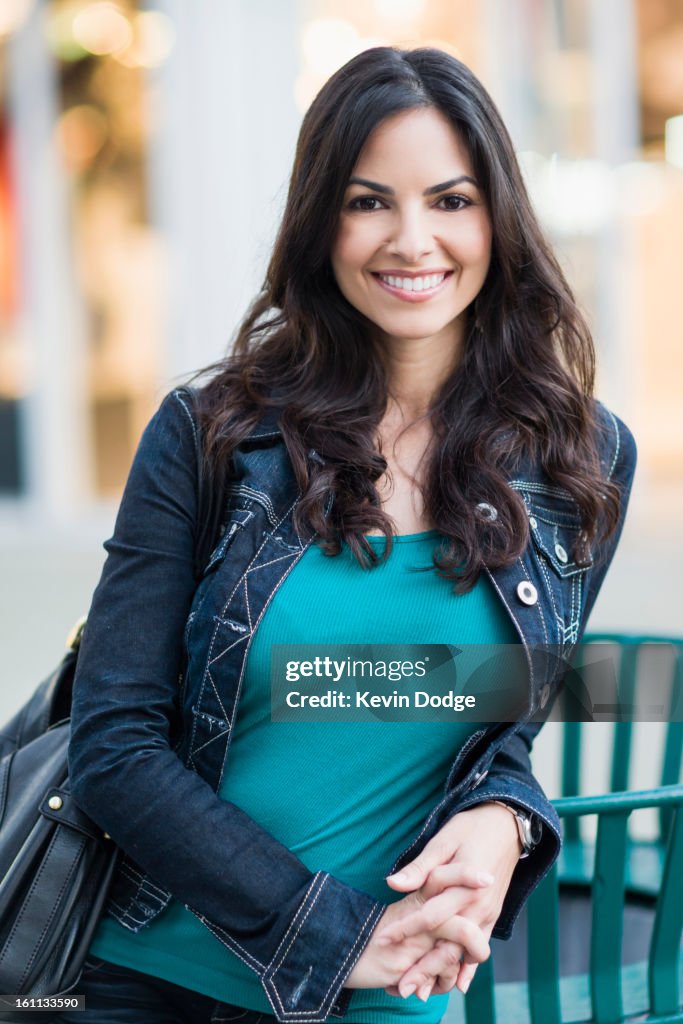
{"points": [[413, 273], [399, 293]]}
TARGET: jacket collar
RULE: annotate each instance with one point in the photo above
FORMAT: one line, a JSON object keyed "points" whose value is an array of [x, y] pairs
{"points": [[268, 426]]}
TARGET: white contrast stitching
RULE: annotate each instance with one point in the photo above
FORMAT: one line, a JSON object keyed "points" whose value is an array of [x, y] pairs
{"points": [[280, 558], [263, 611], [618, 446], [270, 979], [228, 941], [177, 395], [317, 882], [558, 620], [539, 488], [240, 640], [142, 886]]}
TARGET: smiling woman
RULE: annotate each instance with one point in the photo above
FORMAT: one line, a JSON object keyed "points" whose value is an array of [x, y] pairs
{"points": [[412, 262], [412, 376]]}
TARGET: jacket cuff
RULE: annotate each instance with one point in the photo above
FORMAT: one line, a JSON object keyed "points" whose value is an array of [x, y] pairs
{"points": [[530, 870], [301, 982]]}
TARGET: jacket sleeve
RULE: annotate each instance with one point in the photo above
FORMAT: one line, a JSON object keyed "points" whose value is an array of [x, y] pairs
{"points": [[301, 932], [509, 776]]}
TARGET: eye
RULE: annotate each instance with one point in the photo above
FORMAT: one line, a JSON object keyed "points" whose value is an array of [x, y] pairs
{"points": [[354, 204], [455, 202]]}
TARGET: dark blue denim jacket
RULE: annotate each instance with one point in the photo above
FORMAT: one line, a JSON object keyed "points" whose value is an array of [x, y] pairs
{"points": [[155, 642]]}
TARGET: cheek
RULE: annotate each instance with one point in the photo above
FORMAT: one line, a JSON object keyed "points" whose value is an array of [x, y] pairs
{"points": [[352, 248], [472, 243]]}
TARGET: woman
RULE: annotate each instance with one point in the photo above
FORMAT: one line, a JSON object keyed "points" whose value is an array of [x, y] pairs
{"points": [[411, 389]]}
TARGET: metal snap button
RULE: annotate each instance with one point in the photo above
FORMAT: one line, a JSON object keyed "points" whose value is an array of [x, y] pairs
{"points": [[486, 511], [544, 694], [562, 555], [533, 522], [527, 592]]}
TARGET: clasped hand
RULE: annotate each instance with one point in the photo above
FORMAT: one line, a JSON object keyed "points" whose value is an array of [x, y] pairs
{"points": [[433, 939]]}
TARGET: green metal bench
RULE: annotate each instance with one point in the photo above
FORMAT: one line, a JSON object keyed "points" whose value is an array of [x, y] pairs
{"points": [[644, 858], [614, 869], [608, 993]]}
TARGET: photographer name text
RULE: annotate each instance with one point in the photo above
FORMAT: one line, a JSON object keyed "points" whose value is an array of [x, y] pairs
{"points": [[366, 699]]}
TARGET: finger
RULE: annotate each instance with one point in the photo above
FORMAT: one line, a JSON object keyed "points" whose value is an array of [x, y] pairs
{"points": [[435, 911], [464, 980], [461, 939], [455, 873], [424, 991], [467, 934], [413, 874], [440, 966]]}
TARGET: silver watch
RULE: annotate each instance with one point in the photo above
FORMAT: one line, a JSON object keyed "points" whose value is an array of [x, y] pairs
{"points": [[529, 826]]}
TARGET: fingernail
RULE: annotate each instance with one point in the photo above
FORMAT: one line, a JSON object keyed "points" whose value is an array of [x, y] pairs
{"points": [[408, 991], [423, 994], [400, 876], [465, 986], [485, 878]]}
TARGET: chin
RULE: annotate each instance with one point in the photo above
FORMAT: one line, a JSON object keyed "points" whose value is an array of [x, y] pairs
{"points": [[414, 331]]}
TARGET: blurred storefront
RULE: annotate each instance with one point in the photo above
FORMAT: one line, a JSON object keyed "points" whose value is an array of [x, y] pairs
{"points": [[144, 152]]}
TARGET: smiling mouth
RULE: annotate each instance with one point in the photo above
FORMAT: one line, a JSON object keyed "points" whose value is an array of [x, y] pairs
{"points": [[412, 289]]}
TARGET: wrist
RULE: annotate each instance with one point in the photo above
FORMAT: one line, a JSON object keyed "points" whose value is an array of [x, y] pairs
{"points": [[528, 825]]}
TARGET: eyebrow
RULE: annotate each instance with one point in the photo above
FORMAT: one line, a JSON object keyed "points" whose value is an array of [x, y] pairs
{"points": [[432, 190]]}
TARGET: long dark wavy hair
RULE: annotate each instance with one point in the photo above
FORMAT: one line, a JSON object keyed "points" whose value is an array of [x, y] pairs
{"points": [[523, 384]]}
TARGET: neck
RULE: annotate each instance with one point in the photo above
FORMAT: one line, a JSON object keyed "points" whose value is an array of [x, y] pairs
{"points": [[418, 367]]}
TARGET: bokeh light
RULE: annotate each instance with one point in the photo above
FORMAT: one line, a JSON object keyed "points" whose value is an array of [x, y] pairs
{"points": [[153, 39], [81, 133], [400, 10], [13, 14], [327, 43], [102, 28]]}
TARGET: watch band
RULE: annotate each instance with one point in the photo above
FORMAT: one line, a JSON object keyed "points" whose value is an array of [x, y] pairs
{"points": [[528, 826]]}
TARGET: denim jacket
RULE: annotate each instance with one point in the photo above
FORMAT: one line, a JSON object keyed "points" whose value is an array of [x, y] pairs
{"points": [[158, 684]]}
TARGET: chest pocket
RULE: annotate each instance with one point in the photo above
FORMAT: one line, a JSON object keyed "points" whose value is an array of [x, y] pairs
{"points": [[555, 530], [555, 534]]}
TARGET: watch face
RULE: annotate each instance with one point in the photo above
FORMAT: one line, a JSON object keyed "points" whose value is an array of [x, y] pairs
{"points": [[535, 829]]}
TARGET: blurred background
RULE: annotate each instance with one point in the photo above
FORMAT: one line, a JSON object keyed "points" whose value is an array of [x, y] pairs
{"points": [[144, 157]]}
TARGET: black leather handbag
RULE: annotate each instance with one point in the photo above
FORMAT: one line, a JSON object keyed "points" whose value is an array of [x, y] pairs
{"points": [[55, 863]]}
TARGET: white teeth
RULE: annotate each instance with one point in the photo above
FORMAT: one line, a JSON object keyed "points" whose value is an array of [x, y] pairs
{"points": [[414, 284]]}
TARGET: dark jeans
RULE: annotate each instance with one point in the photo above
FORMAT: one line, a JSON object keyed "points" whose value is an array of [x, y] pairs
{"points": [[120, 995]]}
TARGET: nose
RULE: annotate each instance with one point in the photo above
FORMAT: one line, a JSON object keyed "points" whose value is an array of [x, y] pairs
{"points": [[411, 237]]}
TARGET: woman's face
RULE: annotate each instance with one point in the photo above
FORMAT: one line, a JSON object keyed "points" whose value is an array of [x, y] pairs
{"points": [[413, 243]]}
